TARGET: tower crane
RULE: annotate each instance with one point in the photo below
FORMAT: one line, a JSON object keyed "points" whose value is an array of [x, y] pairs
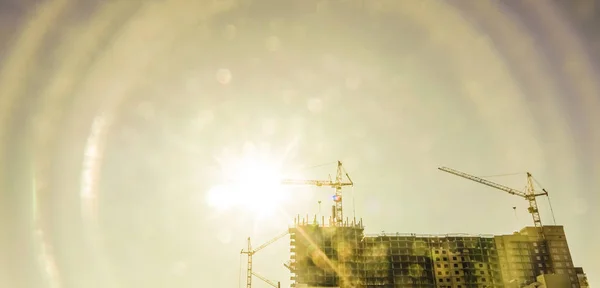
{"points": [[530, 194], [338, 215], [250, 252]]}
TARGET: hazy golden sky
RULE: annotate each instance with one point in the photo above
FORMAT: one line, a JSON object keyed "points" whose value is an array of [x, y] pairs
{"points": [[114, 114]]}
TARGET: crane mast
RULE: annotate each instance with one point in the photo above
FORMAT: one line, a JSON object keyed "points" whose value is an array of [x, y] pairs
{"points": [[338, 184], [250, 252], [530, 195]]}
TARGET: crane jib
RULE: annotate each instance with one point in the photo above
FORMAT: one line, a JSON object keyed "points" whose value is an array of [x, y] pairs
{"points": [[337, 185], [529, 195]]}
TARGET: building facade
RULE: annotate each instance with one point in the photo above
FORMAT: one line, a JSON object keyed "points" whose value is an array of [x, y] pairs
{"points": [[326, 256], [583, 281], [526, 254]]}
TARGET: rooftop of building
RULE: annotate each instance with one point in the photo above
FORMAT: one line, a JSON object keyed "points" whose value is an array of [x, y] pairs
{"points": [[358, 224]]}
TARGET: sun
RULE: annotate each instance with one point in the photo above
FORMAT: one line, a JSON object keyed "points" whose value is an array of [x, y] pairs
{"points": [[251, 182]]}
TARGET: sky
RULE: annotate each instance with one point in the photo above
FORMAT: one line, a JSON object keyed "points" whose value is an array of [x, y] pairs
{"points": [[119, 120]]}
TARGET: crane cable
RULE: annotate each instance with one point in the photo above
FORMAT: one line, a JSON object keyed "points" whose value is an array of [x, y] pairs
{"points": [[536, 182], [305, 168], [501, 175], [548, 197], [317, 166]]}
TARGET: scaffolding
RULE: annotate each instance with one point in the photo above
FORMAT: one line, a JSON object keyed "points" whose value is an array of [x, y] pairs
{"points": [[343, 256], [326, 254]]}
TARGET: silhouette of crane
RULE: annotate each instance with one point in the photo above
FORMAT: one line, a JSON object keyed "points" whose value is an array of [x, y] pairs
{"points": [[338, 184], [250, 252], [530, 195]]}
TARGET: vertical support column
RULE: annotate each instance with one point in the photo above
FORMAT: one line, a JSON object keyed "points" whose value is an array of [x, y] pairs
{"points": [[249, 269], [533, 207], [339, 215]]}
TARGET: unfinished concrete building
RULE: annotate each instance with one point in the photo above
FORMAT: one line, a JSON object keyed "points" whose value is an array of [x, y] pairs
{"points": [[583, 282], [326, 255], [329, 256], [524, 255]]}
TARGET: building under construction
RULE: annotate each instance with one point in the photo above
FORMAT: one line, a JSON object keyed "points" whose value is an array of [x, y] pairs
{"points": [[342, 256], [337, 253]]}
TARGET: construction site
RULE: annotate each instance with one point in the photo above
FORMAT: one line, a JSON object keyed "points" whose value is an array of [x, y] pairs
{"points": [[336, 252]]}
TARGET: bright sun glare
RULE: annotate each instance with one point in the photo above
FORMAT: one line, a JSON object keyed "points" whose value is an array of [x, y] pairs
{"points": [[251, 183]]}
